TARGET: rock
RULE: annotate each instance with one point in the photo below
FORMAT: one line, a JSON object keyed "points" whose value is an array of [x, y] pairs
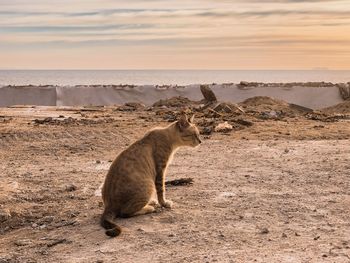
{"points": [[207, 130], [71, 188], [264, 231], [224, 127], [98, 161], [4, 215]]}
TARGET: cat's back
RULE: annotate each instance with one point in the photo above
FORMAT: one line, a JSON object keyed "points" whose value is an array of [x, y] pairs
{"points": [[137, 155]]}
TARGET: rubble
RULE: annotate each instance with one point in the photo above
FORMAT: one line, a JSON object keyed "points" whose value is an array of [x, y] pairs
{"points": [[131, 106], [173, 102], [224, 127], [341, 108]]}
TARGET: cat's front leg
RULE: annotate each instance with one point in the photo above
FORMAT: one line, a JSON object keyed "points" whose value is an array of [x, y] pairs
{"points": [[168, 204], [160, 187]]}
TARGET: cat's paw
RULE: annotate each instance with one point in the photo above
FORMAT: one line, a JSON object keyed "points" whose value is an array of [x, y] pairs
{"points": [[167, 204], [153, 203]]}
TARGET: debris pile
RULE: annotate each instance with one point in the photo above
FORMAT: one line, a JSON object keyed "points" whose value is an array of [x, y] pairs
{"points": [[174, 102], [341, 108], [269, 108], [217, 116], [131, 106]]}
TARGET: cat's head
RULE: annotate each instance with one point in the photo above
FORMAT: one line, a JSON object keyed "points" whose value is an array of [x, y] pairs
{"points": [[188, 132]]}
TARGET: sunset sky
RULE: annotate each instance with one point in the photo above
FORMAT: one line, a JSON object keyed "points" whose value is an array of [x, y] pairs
{"points": [[174, 34]]}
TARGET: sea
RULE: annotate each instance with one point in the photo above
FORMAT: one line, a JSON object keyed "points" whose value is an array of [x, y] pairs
{"points": [[165, 77]]}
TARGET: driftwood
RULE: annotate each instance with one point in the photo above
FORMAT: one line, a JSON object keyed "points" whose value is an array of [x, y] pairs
{"points": [[344, 92], [208, 94], [179, 182], [227, 107], [212, 103]]}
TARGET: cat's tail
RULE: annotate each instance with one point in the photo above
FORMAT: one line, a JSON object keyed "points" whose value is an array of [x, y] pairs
{"points": [[112, 229]]}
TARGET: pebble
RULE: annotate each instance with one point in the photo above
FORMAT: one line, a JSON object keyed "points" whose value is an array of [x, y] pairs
{"points": [[264, 231], [207, 131], [71, 188]]}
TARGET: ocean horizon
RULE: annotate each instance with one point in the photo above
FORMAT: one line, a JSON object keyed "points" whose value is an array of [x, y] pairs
{"points": [[165, 77]]}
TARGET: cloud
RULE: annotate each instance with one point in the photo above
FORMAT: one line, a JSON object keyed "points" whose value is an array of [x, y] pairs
{"points": [[175, 26], [55, 29]]}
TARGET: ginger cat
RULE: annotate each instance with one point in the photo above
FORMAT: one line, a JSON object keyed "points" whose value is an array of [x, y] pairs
{"points": [[140, 170]]}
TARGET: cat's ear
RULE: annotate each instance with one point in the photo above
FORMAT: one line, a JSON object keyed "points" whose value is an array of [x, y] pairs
{"points": [[183, 123], [192, 119]]}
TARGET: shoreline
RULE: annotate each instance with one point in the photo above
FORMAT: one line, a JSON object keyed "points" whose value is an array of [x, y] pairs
{"points": [[242, 83]]}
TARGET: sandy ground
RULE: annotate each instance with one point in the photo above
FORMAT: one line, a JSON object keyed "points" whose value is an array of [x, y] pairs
{"points": [[276, 191]]}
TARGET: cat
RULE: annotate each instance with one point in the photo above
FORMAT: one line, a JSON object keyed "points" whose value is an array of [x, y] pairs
{"points": [[139, 171]]}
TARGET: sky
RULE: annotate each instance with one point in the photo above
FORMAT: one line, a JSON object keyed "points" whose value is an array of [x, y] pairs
{"points": [[174, 34]]}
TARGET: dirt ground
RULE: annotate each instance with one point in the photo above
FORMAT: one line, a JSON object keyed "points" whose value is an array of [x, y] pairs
{"points": [[274, 189]]}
